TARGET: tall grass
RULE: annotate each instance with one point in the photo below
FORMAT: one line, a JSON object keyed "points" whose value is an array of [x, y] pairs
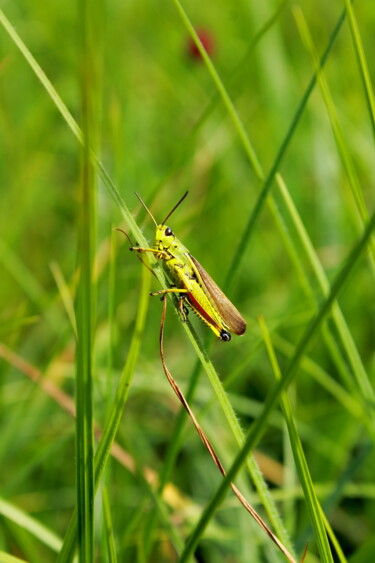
{"points": [[275, 142]]}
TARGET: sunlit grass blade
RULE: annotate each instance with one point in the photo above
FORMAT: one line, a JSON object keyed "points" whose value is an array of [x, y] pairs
{"points": [[33, 526], [363, 66], [9, 28], [6, 558], [109, 536], [65, 294], [312, 502]]}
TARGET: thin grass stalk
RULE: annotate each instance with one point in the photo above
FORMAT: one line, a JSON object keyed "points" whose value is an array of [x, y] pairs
{"points": [[346, 399], [33, 526]]}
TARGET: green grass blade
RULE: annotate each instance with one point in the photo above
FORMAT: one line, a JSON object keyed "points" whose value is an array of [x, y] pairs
{"points": [[30, 524], [269, 179], [111, 549], [361, 57], [351, 403], [86, 299], [6, 558], [311, 499], [361, 216], [66, 295], [41, 75], [223, 92], [346, 338]]}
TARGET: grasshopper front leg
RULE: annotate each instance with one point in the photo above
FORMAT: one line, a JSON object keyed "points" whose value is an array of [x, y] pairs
{"points": [[161, 254]]}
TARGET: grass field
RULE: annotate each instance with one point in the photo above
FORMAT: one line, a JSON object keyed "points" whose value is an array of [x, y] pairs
{"points": [[272, 132]]}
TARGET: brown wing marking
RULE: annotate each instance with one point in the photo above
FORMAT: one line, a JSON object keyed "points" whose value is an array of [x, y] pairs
{"points": [[232, 318]]}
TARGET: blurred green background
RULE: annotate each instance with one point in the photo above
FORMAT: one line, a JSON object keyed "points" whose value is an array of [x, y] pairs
{"points": [[162, 128]]}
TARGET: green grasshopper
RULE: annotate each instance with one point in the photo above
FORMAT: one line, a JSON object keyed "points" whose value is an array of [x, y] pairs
{"points": [[192, 283]]}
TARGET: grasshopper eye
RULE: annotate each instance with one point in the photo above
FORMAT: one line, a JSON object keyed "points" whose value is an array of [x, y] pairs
{"points": [[168, 232]]}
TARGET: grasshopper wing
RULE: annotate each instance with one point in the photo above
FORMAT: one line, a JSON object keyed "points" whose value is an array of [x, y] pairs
{"points": [[231, 317]]}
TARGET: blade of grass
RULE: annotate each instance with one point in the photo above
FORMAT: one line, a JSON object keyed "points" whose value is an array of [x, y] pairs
{"points": [[312, 502], [269, 179], [259, 425], [361, 216], [360, 53], [223, 92], [173, 448], [359, 372], [65, 294], [350, 403], [341, 484], [30, 524], [6, 558], [238, 433], [111, 549], [85, 297]]}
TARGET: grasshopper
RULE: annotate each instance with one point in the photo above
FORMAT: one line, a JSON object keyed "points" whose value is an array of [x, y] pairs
{"points": [[190, 281]]}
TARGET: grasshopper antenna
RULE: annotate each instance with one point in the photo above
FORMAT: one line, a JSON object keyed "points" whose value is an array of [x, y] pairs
{"points": [[175, 207], [131, 247], [124, 233], [147, 209]]}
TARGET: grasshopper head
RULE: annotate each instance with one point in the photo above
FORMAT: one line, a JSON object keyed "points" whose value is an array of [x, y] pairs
{"points": [[164, 237]]}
